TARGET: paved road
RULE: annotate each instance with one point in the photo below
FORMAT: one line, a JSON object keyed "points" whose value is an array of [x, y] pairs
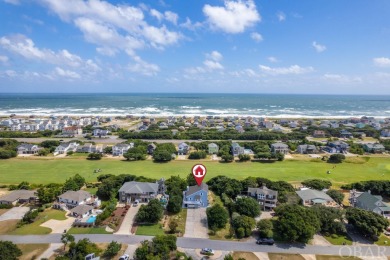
{"points": [[193, 243]]}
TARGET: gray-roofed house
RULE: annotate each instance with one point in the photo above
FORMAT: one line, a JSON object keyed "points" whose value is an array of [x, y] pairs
{"points": [[74, 198], [373, 203], [18, 196], [28, 149], [183, 149], [120, 149], [213, 148], [313, 197], [374, 148], [307, 149], [66, 147], [141, 191], [151, 148], [236, 149], [81, 211], [267, 198], [279, 148], [100, 132], [196, 196]]}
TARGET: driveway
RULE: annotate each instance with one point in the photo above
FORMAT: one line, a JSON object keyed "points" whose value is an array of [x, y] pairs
{"points": [[319, 240], [14, 213], [58, 226], [196, 223], [128, 221]]}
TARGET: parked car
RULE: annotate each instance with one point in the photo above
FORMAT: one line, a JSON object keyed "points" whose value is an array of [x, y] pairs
{"points": [[265, 241], [387, 233], [135, 204], [124, 257], [207, 251]]}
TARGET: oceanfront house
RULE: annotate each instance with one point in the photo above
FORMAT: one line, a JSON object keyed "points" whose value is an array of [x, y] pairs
{"points": [[346, 134], [196, 196], [307, 149], [141, 191], [385, 133], [28, 149], [72, 131], [71, 199], [90, 148], [121, 149], [311, 197], [100, 132], [213, 148], [374, 148], [151, 148], [183, 149], [280, 148], [267, 198], [370, 202], [81, 211], [19, 196], [319, 134], [336, 147], [236, 149], [63, 148]]}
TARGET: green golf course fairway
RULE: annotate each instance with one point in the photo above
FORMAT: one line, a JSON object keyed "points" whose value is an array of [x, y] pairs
{"points": [[57, 170]]}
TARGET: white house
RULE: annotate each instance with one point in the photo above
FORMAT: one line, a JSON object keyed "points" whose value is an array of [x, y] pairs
{"points": [[66, 147], [120, 149]]}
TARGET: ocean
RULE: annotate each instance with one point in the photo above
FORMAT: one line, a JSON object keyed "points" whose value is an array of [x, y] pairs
{"points": [[171, 104]]}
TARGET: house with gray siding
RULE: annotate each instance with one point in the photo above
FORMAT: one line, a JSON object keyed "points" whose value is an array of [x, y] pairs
{"points": [[267, 198], [213, 148], [280, 148], [373, 203], [141, 191]]}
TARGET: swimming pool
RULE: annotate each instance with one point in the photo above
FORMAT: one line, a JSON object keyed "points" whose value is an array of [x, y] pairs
{"points": [[91, 219]]}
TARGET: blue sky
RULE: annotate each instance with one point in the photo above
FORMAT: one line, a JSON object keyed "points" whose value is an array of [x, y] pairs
{"points": [[241, 46]]}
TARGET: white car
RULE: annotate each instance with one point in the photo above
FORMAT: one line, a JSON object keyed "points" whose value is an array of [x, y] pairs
{"points": [[207, 251], [124, 257], [135, 204]]}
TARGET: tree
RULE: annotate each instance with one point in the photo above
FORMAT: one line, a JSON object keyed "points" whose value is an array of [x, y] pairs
{"points": [[94, 156], [336, 195], [157, 249], [173, 226], [112, 249], [136, 154], [162, 155], [191, 180], [9, 251], [217, 216], [174, 204], [279, 156], [222, 184], [317, 184], [151, 213], [247, 206], [368, 223], [82, 248], [43, 152], [331, 219], [243, 226], [227, 158], [197, 155], [265, 226], [296, 223], [336, 158], [67, 238], [244, 157], [108, 149]]}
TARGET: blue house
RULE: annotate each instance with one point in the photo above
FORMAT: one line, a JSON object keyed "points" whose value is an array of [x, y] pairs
{"points": [[183, 149], [236, 149], [196, 196]]}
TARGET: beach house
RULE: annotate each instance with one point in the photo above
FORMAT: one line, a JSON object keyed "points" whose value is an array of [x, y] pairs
{"points": [[196, 196], [267, 198], [213, 148], [280, 148]]}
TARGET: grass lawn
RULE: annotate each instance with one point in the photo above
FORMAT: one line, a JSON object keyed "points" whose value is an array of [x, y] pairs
{"points": [[224, 233], [32, 251], [275, 256], [8, 226], [150, 230], [245, 255], [339, 239], [35, 228], [2, 211], [334, 257], [90, 230], [181, 218], [47, 170], [92, 190], [382, 239]]}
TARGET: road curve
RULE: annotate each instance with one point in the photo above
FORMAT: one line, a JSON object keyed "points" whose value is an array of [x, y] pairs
{"points": [[194, 243]]}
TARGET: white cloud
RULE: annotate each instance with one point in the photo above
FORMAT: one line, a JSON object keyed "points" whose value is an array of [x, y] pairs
{"points": [[142, 67], [281, 16], [211, 63], [188, 24], [318, 47], [214, 55], [67, 73], [14, 2], [3, 59], [381, 62], [341, 79], [234, 17], [256, 36], [294, 69], [272, 59], [106, 24]]}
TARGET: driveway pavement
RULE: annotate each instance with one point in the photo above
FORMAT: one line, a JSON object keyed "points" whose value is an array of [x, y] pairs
{"points": [[14, 213], [50, 251], [196, 223], [127, 223], [58, 226], [319, 240]]}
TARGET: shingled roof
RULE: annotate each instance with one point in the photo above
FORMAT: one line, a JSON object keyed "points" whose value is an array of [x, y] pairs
{"points": [[134, 187]]}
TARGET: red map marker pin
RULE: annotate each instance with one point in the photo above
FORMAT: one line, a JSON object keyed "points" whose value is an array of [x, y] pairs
{"points": [[199, 171]]}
